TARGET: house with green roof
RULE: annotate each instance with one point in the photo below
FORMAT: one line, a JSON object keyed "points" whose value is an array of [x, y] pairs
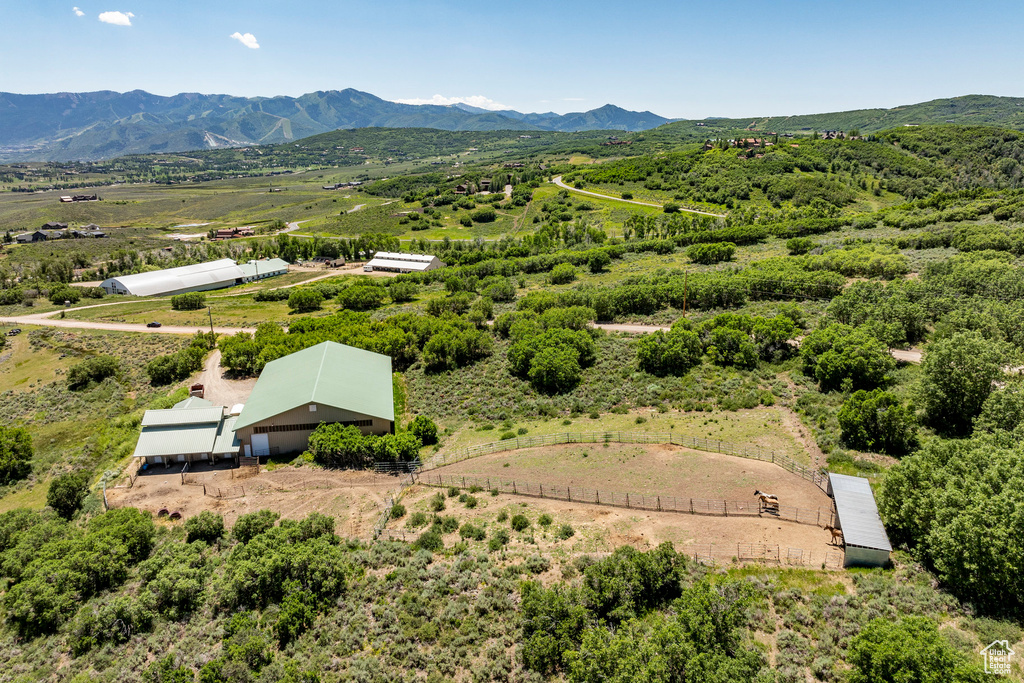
{"points": [[194, 430], [330, 383]]}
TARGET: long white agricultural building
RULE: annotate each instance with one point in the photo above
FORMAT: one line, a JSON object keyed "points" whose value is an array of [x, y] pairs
{"points": [[402, 263], [196, 278]]}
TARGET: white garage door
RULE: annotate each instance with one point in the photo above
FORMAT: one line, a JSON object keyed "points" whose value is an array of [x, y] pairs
{"points": [[260, 444]]}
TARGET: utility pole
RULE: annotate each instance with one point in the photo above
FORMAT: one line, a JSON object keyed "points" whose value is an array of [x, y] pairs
{"points": [[210, 311]]}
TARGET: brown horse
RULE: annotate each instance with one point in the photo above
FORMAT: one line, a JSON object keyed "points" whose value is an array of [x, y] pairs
{"points": [[767, 500], [836, 534]]}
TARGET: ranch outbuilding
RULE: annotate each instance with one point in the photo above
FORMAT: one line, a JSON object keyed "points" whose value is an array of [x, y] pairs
{"points": [[867, 544], [194, 430], [330, 383], [402, 263]]}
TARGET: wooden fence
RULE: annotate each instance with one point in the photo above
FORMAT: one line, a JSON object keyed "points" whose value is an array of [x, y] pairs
{"points": [[223, 491], [637, 501], [817, 477], [389, 501]]}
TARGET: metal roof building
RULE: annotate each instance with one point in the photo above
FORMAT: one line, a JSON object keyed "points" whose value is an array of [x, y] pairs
{"points": [[196, 278], [328, 382], [867, 544], [258, 270], [192, 430], [402, 263]]}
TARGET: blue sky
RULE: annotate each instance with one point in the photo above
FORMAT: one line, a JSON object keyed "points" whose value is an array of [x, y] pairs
{"points": [[679, 59]]}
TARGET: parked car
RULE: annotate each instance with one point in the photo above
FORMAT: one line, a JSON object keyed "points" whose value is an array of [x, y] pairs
{"points": [[153, 324], [16, 330]]}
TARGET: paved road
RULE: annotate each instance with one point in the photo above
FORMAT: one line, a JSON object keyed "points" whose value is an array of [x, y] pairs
{"points": [[557, 180]]}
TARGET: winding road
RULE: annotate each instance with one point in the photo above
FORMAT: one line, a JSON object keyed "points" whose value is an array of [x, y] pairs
{"points": [[557, 180]]}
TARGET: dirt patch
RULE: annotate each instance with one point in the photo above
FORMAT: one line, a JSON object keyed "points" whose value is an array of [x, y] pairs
{"points": [[802, 435], [644, 469], [354, 499], [218, 388], [601, 529]]}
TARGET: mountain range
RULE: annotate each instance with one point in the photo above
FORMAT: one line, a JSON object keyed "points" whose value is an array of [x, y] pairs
{"points": [[105, 124]]}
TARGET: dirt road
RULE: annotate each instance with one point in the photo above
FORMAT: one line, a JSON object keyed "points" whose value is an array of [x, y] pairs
{"points": [[557, 180], [218, 388]]}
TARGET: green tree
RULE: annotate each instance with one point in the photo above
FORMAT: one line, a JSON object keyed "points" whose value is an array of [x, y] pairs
{"points": [[841, 357], [305, 300], [562, 274], [66, 493], [249, 526], [424, 429], [598, 261], [905, 651], [958, 374], [671, 353], [15, 453], [713, 252], [878, 421], [189, 301], [207, 527], [555, 370], [92, 370], [361, 297]]}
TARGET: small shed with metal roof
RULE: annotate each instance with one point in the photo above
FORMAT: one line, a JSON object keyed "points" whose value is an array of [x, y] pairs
{"points": [[193, 430], [867, 544], [329, 382]]}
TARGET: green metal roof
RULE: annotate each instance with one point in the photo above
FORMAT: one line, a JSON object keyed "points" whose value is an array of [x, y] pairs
{"points": [[331, 374], [226, 441], [182, 416], [176, 440]]}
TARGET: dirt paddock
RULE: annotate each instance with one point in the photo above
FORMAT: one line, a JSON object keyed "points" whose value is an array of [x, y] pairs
{"points": [[354, 499], [656, 469]]}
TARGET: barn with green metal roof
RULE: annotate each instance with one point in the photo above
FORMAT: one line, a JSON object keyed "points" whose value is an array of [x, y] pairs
{"points": [[194, 430], [330, 383]]}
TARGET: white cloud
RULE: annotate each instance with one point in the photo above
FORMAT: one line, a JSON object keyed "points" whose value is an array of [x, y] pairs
{"points": [[78, 12], [472, 100], [247, 39], [116, 18]]}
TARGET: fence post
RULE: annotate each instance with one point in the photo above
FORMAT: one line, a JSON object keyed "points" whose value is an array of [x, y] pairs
{"points": [[691, 506], [513, 487], [597, 496], [541, 490], [819, 516], [659, 503], [627, 500], [568, 494]]}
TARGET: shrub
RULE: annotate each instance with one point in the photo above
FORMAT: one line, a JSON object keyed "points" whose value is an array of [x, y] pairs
{"points": [[471, 532], [430, 540], [545, 520], [877, 421], [520, 523], [402, 291], [424, 429], [537, 564], [669, 353], [251, 525], [555, 370], [189, 301], [453, 491], [798, 246], [176, 366], [360, 297], [498, 540], [713, 252], [62, 292], [66, 493], [841, 357], [470, 502], [484, 215], [92, 370], [207, 527], [15, 454], [598, 261], [397, 511], [416, 520], [437, 502], [305, 300], [911, 649], [562, 274], [565, 532]]}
